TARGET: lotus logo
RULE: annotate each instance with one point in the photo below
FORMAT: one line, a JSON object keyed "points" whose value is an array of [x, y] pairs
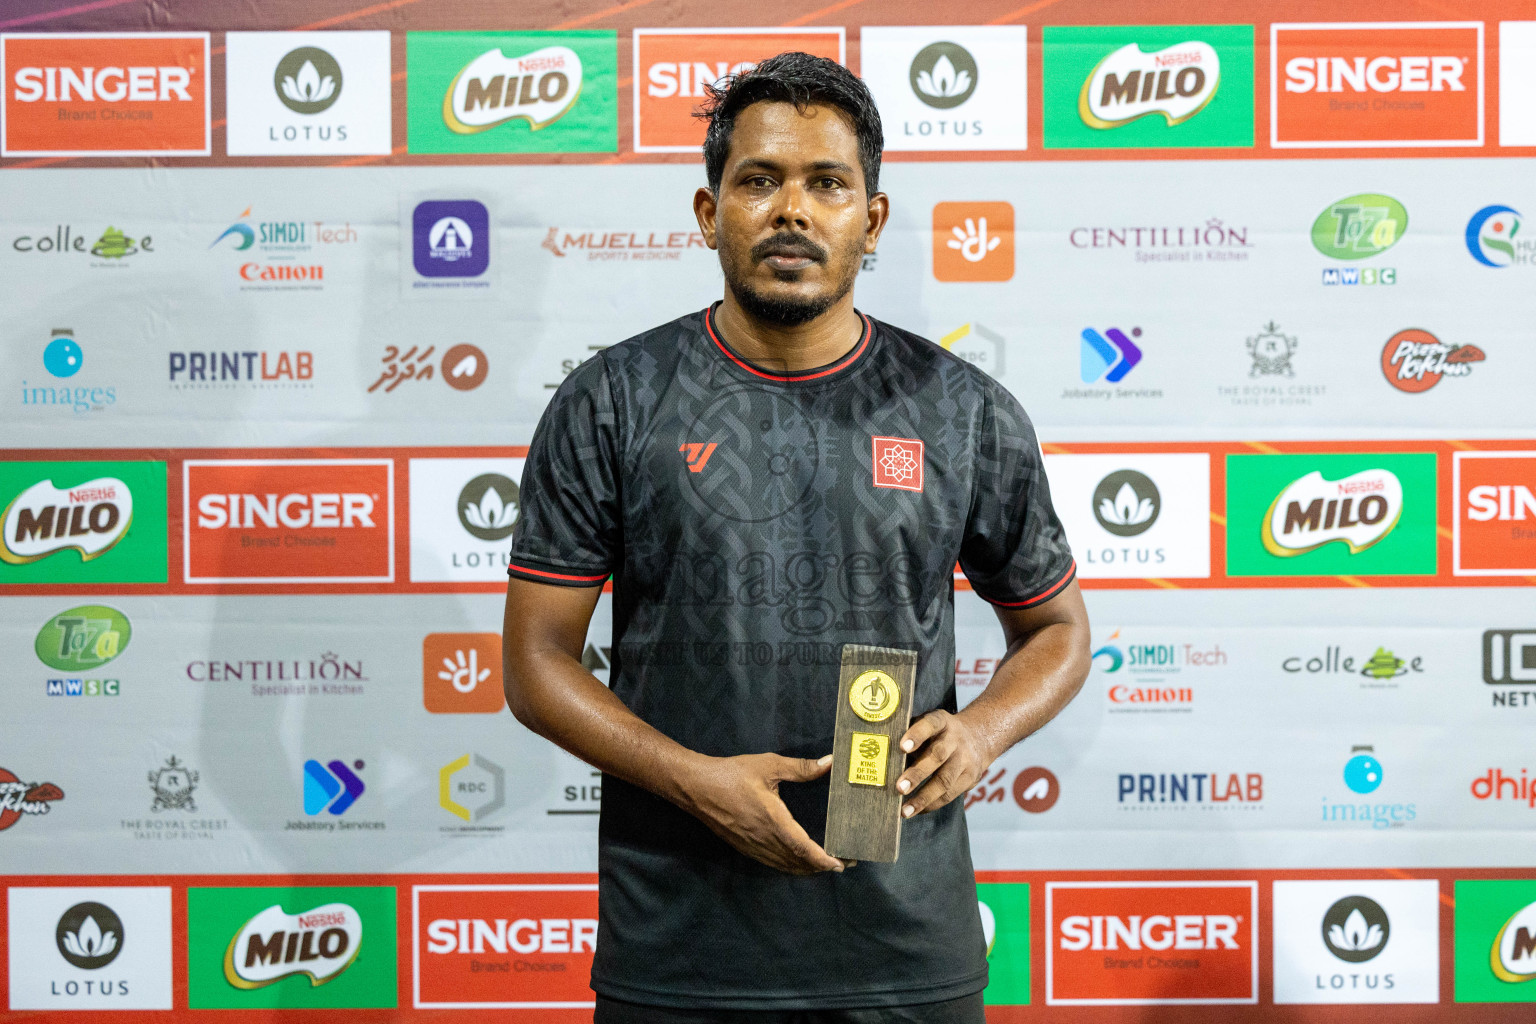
{"points": [[943, 75], [1359, 511], [488, 507], [307, 80], [538, 87], [1355, 929], [89, 935], [1514, 947], [1176, 82], [274, 945], [1126, 503]]}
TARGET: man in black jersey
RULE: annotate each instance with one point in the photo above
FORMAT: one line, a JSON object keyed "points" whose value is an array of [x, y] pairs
{"points": [[765, 481]]}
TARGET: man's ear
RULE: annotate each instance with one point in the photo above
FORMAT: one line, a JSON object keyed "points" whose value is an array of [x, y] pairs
{"points": [[879, 216], [704, 209]]}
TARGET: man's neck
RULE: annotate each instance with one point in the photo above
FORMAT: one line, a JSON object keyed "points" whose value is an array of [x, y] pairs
{"points": [[817, 342]]}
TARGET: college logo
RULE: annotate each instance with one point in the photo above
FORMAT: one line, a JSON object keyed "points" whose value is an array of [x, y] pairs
{"points": [[973, 241], [950, 88], [1414, 360], [1494, 532], [131, 94], [1371, 941], [1145, 943], [673, 69], [1108, 356], [463, 512], [503, 946], [451, 238], [898, 463], [90, 948], [1491, 238], [110, 249], [472, 787], [19, 798], [461, 672], [331, 787], [1004, 909], [1150, 85], [307, 93], [1495, 941], [1358, 84], [247, 950], [288, 520], [111, 515], [1331, 514], [512, 92]]}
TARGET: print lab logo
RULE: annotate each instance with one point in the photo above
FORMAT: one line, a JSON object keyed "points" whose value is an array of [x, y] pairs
{"points": [[1491, 238], [1357, 228], [1363, 84], [19, 799], [91, 518], [461, 672], [948, 89], [898, 463], [332, 787], [503, 946], [451, 239], [1108, 356], [1209, 791], [1495, 508], [307, 93], [674, 68], [472, 788], [264, 369], [81, 640], [1360, 510], [1146, 943], [79, 95], [1413, 360], [318, 944], [973, 241], [288, 520], [464, 367]]}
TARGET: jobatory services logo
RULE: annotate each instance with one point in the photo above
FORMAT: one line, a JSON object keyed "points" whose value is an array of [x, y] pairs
{"points": [[1148, 943], [464, 367], [64, 358], [288, 520], [1376, 84], [307, 93], [1495, 941], [1148, 86], [1109, 356], [1359, 227], [110, 94], [1004, 909], [503, 946], [90, 948], [472, 788], [1494, 495], [1366, 941], [1493, 238], [82, 640], [82, 522], [461, 673], [332, 787], [512, 92], [978, 346], [949, 88], [1135, 515], [1326, 514], [463, 512], [1414, 360], [973, 241], [19, 799], [335, 949], [673, 66]]}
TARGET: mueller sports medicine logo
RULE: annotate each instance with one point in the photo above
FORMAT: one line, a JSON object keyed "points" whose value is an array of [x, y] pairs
{"points": [[1495, 513], [1363, 84], [621, 245], [139, 94], [1359, 510], [288, 521], [273, 945], [1144, 943], [503, 946], [42, 520], [1176, 82]]}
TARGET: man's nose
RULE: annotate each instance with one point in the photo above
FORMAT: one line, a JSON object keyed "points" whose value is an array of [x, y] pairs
{"points": [[790, 207]]}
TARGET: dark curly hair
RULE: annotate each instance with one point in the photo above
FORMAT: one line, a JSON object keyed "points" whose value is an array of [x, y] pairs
{"points": [[805, 81]]}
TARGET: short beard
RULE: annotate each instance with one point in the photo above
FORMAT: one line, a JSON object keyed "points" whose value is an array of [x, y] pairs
{"points": [[787, 312]]}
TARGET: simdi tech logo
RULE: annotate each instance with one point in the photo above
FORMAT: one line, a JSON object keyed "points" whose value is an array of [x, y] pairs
{"points": [[309, 947], [949, 88], [1494, 531], [288, 520], [131, 94], [1148, 86], [1331, 514], [83, 522], [307, 93], [512, 92], [1151, 943], [90, 948], [673, 67], [1495, 944], [1354, 85]]}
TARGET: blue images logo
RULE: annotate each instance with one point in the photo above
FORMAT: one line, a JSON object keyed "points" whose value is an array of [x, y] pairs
{"points": [[1108, 356], [451, 238], [1362, 772], [63, 357], [331, 786], [1491, 238]]}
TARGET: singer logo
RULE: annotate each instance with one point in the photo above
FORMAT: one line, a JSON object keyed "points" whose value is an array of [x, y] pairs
{"points": [[504, 946], [1151, 942], [1495, 524], [68, 94], [289, 521], [672, 70], [1352, 85]]}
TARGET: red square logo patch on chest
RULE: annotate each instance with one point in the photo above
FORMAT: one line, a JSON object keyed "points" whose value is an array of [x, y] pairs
{"points": [[898, 463]]}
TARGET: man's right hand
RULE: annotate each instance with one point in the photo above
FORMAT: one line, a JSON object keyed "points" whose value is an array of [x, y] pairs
{"points": [[738, 798]]}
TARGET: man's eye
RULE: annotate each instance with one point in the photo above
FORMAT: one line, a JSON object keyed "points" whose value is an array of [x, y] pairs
{"points": [[760, 181], [829, 183]]}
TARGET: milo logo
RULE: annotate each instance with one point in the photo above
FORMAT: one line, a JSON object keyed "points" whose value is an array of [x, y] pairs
{"points": [[1176, 82], [1359, 227], [44, 519], [538, 87], [1359, 510], [274, 945], [82, 638]]}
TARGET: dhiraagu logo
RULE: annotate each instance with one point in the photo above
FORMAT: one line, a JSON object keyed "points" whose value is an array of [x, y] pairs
{"points": [[1496, 941], [1004, 908], [512, 92], [1149, 86]]}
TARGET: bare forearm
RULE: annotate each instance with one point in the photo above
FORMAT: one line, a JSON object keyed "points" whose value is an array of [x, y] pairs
{"points": [[1036, 680]]}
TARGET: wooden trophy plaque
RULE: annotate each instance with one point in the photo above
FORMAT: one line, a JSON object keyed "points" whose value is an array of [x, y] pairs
{"points": [[874, 708]]}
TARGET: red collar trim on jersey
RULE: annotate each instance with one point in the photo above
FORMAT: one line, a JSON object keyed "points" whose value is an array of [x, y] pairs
{"points": [[843, 363]]}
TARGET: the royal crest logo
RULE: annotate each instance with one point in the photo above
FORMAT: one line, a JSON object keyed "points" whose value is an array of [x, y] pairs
{"points": [[172, 785], [43, 519], [538, 87], [1176, 82], [274, 945], [1359, 510]]}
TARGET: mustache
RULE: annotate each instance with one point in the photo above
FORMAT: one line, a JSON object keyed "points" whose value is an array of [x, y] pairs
{"points": [[787, 243]]}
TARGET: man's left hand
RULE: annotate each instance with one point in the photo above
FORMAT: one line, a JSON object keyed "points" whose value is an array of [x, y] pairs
{"points": [[945, 758]]}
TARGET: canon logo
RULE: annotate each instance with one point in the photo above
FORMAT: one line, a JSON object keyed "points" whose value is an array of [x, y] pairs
{"points": [[1156, 931], [1508, 502], [688, 78], [110, 84], [297, 511], [1381, 74], [524, 935]]}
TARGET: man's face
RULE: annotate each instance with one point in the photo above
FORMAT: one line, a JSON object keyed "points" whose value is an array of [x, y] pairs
{"points": [[792, 220]]}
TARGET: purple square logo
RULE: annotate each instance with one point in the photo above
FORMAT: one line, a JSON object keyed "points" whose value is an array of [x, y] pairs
{"points": [[451, 238]]}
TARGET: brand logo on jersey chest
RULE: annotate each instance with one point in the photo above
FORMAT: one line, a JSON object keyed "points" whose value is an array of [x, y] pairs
{"points": [[898, 463]]}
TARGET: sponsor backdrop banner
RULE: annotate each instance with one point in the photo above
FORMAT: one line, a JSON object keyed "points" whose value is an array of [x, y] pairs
{"points": [[289, 286]]}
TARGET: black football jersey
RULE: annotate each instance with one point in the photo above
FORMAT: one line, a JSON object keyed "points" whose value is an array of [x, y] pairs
{"points": [[754, 521]]}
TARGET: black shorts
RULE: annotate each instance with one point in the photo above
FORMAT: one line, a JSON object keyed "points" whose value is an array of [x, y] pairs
{"points": [[965, 1010]]}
